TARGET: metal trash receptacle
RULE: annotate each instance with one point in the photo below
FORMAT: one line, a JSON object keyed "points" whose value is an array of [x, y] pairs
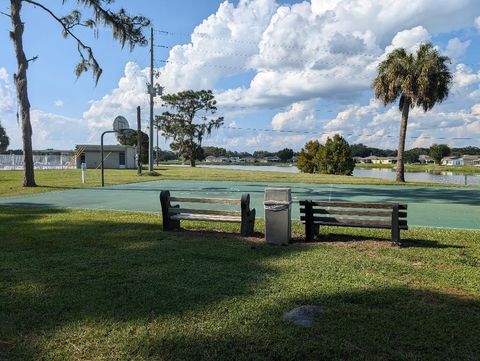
{"points": [[278, 219]]}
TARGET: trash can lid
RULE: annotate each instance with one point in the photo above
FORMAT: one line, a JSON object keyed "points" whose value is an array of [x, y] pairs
{"points": [[272, 203], [278, 194]]}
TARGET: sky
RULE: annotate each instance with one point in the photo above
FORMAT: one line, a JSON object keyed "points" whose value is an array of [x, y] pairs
{"points": [[283, 72]]}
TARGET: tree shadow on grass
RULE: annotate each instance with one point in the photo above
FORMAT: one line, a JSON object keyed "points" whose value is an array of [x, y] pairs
{"points": [[396, 323], [66, 269], [115, 280]]}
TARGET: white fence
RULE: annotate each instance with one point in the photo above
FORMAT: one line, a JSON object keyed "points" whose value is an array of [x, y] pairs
{"points": [[13, 161]]}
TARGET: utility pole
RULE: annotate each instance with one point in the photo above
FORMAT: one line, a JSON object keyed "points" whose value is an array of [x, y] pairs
{"points": [[151, 91], [139, 142]]}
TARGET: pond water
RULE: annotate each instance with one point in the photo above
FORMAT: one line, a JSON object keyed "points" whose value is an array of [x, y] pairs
{"points": [[440, 177]]}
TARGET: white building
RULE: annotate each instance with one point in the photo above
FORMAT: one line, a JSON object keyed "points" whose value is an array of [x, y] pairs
{"points": [[452, 160], [114, 156]]}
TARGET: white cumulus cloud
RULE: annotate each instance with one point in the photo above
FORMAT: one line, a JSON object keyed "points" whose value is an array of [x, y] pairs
{"points": [[123, 100], [298, 54], [456, 48]]}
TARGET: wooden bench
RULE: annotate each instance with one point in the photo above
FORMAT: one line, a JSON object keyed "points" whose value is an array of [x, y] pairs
{"points": [[349, 214], [173, 214]]}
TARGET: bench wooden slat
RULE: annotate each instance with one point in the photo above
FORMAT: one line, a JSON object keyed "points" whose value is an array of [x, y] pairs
{"points": [[206, 200], [355, 205], [206, 218], [204, 211], [356, 225], [335, 220], [354, 212]]}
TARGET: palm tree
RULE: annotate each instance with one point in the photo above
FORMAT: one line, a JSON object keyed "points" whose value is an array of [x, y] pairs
{"points": [[422, 79]]}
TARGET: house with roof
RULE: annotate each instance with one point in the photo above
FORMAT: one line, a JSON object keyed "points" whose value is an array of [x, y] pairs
{"points": [[425, 159], [471, 159], [381, 160], [452, 160], [211, 159], [250, 160], [363, 160], [273, 159]]}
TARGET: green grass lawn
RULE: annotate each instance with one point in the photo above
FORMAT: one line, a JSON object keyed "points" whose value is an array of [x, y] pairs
{"points": [[96, 285], [51, 180]]}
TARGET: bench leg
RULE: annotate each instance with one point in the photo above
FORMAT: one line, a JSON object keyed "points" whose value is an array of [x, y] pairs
{"points": [[395, 226], [247, 227], [396, 237], [310, 227]]}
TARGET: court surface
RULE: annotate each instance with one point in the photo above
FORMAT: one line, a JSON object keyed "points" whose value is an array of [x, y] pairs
{"points": [[427, 206]]}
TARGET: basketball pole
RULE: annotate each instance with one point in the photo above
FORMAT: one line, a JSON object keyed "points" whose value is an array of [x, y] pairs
{"points": [[101, 153]]}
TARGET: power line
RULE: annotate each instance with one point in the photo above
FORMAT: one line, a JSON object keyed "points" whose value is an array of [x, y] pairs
{"points": [[336, 52], [285, 46], [313, 132], [229, 67]]}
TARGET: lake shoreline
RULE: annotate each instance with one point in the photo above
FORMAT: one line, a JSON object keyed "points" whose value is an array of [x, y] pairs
{"points": [[384, 173]]}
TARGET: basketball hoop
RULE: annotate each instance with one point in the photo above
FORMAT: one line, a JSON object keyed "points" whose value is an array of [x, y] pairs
{"points": [[120, 124]]}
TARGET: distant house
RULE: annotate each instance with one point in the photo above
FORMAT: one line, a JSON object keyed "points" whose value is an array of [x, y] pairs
{"points": [[211, 159], [363, 160], [425, 159], [452, 160], [250, 160], [273, 159], [381, 160], [234, 159], [471, 159], [115, 156]]}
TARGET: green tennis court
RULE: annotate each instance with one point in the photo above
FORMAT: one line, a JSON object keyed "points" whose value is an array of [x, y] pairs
{"points": [[428, 206]]}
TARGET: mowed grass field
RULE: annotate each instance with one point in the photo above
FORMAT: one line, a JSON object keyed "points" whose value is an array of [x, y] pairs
{"points": [[97, 285], [51, 180]]}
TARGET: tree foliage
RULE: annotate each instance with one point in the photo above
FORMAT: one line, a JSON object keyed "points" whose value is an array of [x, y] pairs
{"points": [[262, 154], [166, 155], [421, 79], [4, 139], [285, 154], [215, 151], [184, 126], [307, 158], [335, 157], [130, 138], [438, 151]]}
